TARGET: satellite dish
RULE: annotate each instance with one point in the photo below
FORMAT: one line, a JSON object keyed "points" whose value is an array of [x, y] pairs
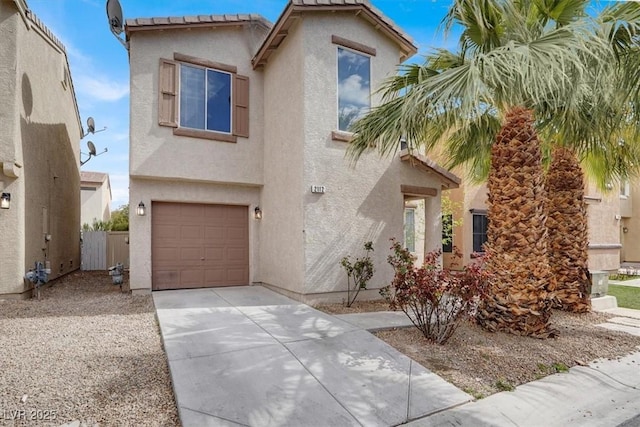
{"points": [[91, 125], [114, 14], [92, 148]]}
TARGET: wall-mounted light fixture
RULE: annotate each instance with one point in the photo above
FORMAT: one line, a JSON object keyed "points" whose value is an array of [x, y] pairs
{"points": [[5, 201], [625, 230], [141, 210], [257, 213]]}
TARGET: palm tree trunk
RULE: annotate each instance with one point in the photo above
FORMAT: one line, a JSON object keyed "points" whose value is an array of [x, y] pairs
{"points": [[517, 235], [567, 225]]}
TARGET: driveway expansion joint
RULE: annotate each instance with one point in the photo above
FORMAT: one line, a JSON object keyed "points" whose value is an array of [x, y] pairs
{"points": [[213, 416]]}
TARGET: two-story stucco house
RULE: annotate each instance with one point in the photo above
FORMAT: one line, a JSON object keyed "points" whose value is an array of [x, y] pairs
{"points": [[239, 130], [39, 152], [95, 197]]}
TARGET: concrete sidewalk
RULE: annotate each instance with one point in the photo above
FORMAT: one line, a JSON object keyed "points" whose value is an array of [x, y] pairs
{"points": [[606, 393], [249, 356], [633, 282]]}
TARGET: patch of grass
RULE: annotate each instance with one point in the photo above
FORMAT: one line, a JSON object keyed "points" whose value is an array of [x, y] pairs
{"points": [[476, 394], [627, 296], [560, 367], [542, 367], [554, 368], [503, 385]]}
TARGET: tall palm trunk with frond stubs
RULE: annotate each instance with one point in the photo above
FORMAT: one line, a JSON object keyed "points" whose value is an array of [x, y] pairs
{"points": [[567, 225], [517, 236]]}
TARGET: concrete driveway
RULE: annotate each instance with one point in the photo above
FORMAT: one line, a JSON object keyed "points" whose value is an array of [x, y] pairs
{"points": [[249, 356]]}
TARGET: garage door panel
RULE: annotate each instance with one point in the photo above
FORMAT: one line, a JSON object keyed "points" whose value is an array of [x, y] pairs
{"points": [[215, 275], [166, 255], [191, 254], [166, 214], [237, 275], [214, 255], [214, 232], [236, 233], [165, 279], [168, 232], [191, 213], [215, 214], [191, 277], [191, 232], [236, 256], [196, 245]]}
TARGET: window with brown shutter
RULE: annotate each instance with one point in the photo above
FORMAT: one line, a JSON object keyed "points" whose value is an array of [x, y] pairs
{"points": [[241, 102], [210, 105], [168, 92]]}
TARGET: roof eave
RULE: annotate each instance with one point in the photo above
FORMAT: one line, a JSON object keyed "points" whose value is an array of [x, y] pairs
{"points": [[279, 30], [134, 28], [449, 179]]}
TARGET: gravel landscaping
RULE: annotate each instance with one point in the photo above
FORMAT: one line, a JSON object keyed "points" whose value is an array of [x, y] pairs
{"points": [[85, 351], [482, 363]]}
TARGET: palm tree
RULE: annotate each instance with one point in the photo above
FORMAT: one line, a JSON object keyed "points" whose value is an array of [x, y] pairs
{"points": [[567, 226], [522, 67]]}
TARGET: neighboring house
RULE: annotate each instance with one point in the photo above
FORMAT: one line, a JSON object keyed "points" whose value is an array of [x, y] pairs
{"points": [[39, 151], [95, 197], [270, 139], [604, 213], [630, 226]]}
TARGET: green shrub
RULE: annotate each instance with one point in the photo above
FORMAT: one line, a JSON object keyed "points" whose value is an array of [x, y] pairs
{"points": [[358, 274]]}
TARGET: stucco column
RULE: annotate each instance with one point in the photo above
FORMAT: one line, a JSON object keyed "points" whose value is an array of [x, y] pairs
{"points": [[433, 223]]}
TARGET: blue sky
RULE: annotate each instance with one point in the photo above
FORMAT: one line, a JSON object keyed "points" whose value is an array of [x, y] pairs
{"points": [[100, 68]]}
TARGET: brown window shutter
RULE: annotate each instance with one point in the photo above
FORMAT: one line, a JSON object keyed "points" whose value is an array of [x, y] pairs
{"points": [[241, 106], [168, 92]]}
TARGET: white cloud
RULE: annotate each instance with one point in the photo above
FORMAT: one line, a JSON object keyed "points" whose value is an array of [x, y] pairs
{"points": [[354, 90], [101, 89], [119, 190]]}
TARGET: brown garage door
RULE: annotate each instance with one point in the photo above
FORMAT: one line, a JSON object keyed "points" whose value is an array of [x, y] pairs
{"points": [[197, 245]]}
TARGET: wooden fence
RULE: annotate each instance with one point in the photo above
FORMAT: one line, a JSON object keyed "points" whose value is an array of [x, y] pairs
{"points": [[103, 249]]}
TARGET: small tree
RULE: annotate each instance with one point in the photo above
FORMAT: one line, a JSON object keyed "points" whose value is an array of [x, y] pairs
{"points": [[436, 300], [120, 219], [358, 274]]}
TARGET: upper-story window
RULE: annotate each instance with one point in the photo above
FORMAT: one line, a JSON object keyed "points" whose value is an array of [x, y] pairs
{"points": [[205, 99], [201, 98], [354, 87]]}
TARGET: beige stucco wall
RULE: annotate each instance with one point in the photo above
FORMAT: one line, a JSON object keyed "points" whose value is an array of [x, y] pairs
{"points": [[41, 132], [631, 239], [11, 221], [468, 196], [95, 205], [154, 150], [603, 211], [362, 203], [281, 249]]}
